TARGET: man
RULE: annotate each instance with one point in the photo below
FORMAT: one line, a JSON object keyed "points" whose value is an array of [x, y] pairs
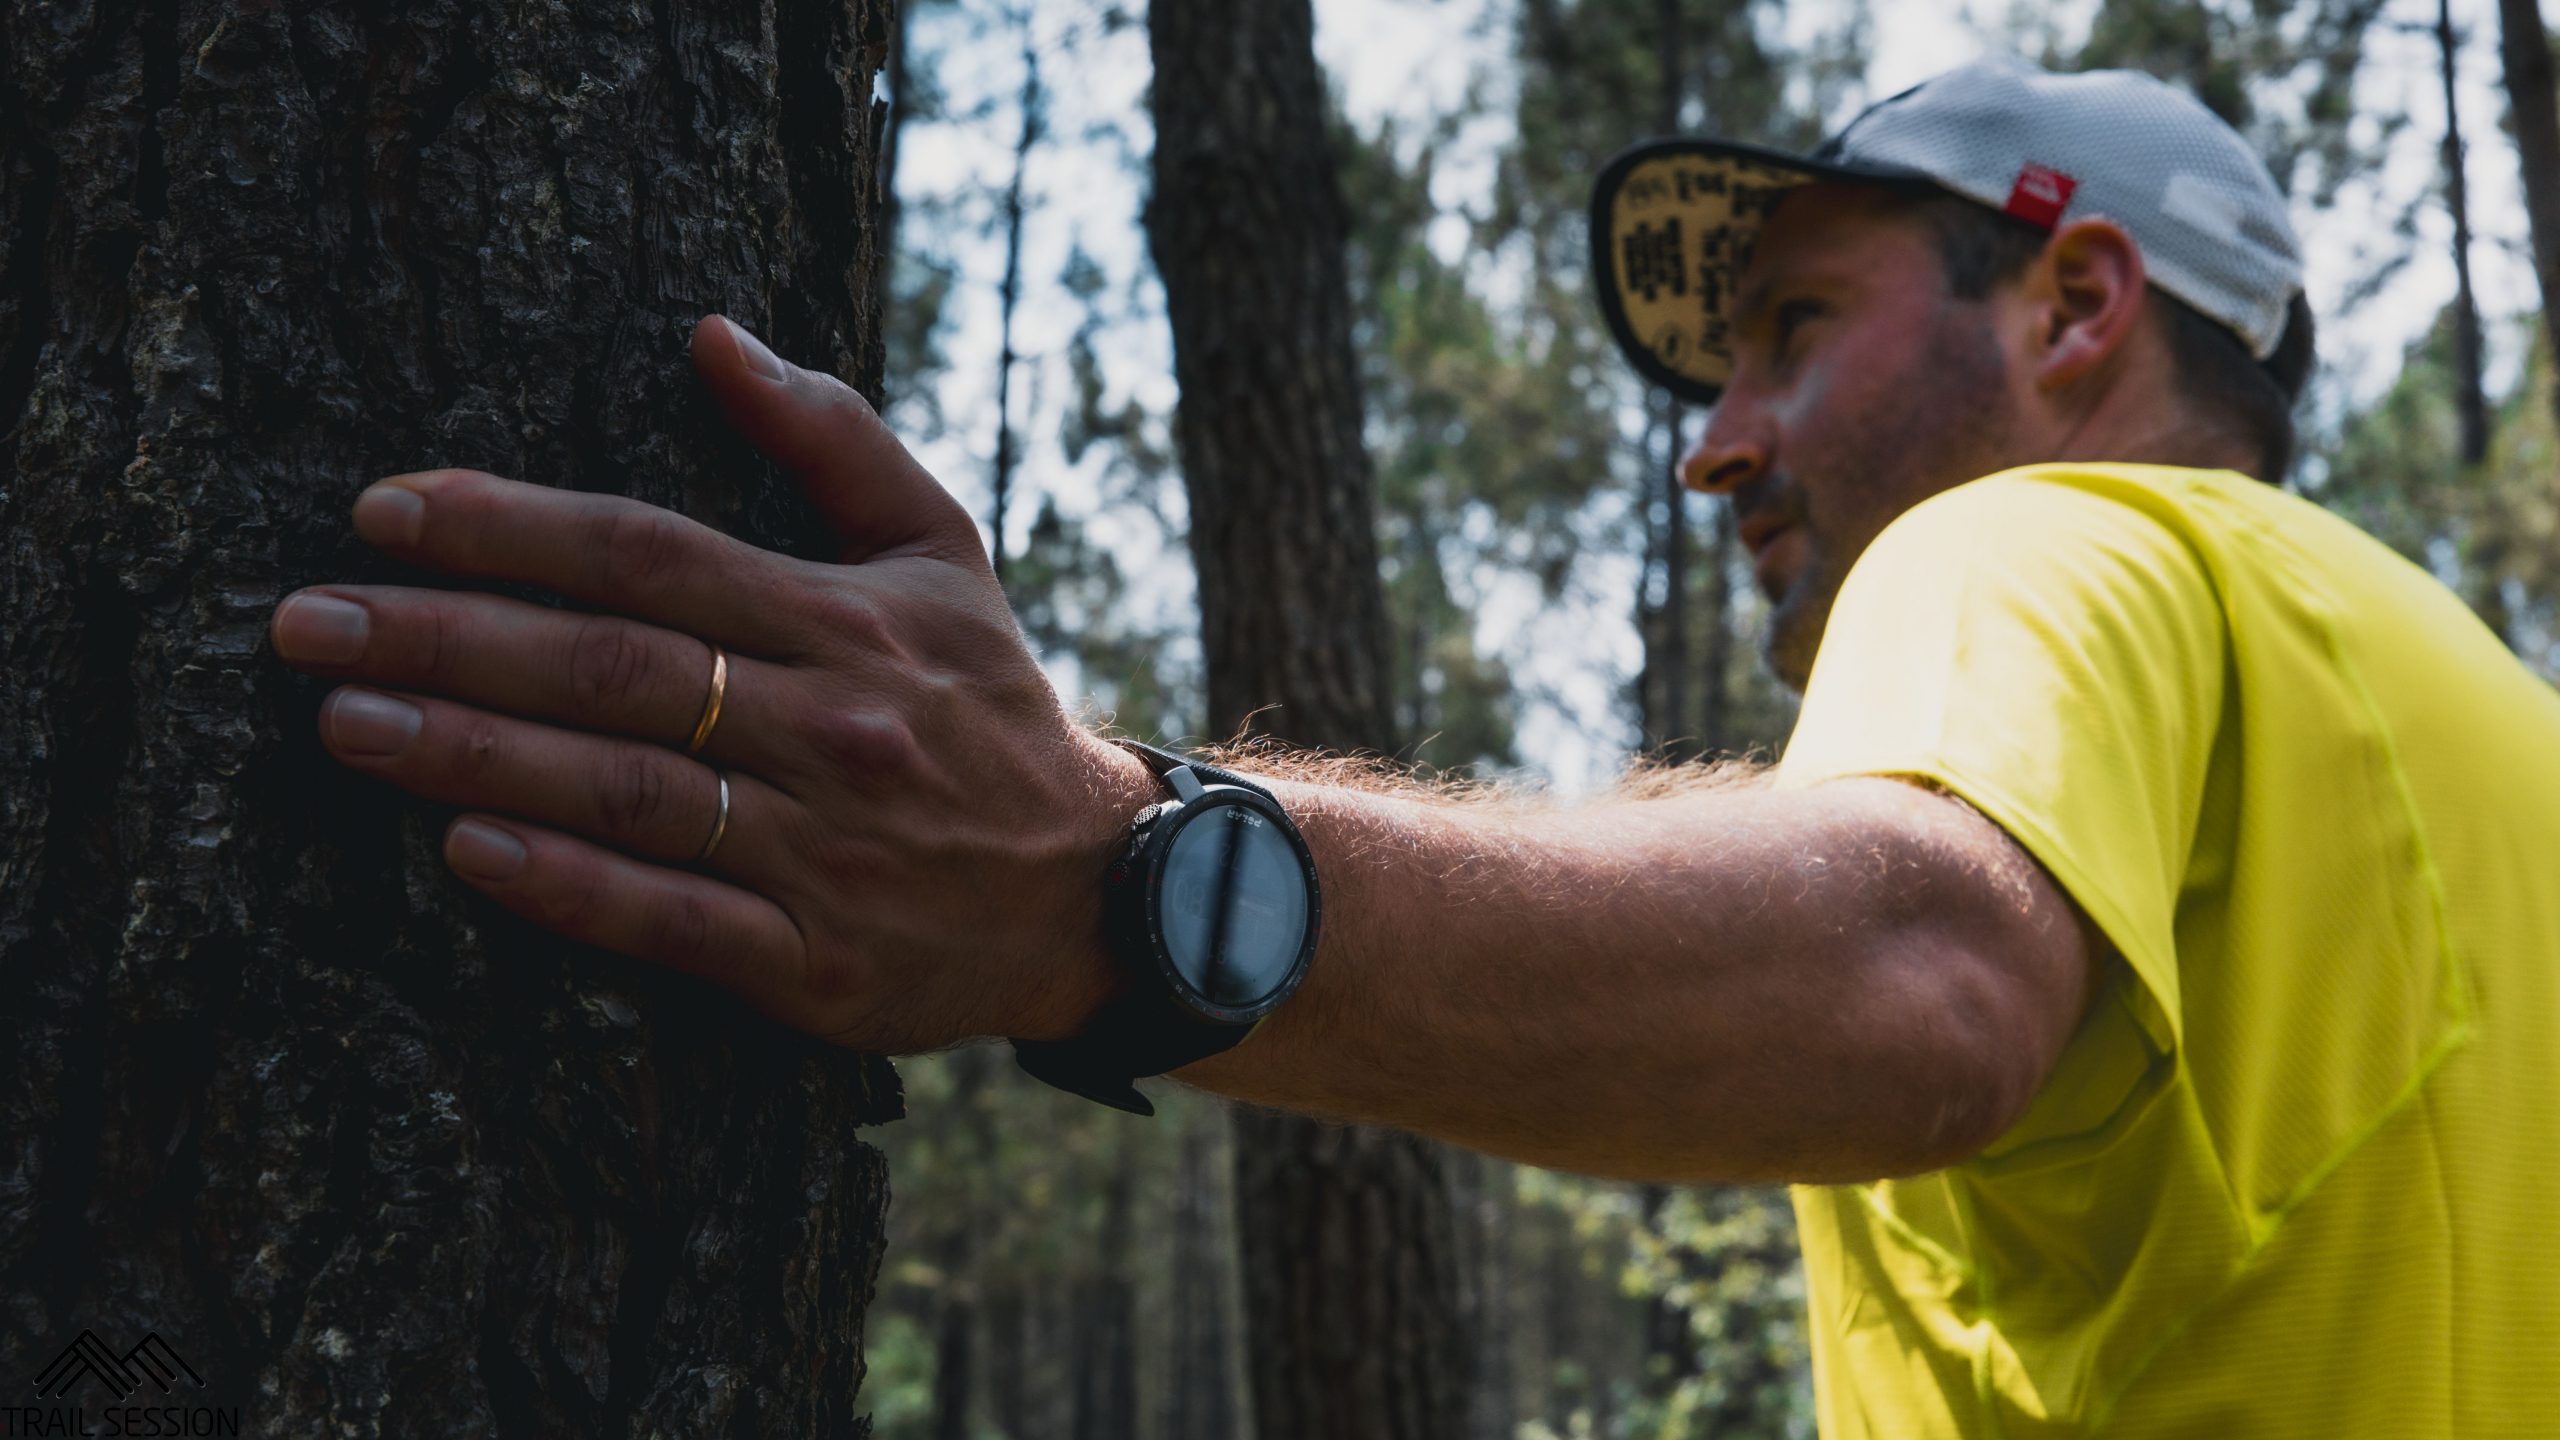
{"points": [[2146, 955]]}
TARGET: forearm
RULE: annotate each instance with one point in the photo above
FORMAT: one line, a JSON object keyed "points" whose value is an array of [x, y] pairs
{"points": [[1735, 984]]}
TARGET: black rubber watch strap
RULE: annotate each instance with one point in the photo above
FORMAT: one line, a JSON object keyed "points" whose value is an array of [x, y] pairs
{"points": [[1143, 1033]]}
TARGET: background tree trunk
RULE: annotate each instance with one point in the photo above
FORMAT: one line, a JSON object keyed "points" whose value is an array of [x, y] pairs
{"points": [[1009, 1353], [1666, 715], [901, 101], [2524, 52], [372, 1155], [1010, 294], [2471, 404], [1105, 1340], [1199, 1393], [957, 1248], [1350, 1278], [1483, 1187]]}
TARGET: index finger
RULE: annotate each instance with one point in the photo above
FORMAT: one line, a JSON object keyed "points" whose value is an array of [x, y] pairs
{"points": [[605, 550]]}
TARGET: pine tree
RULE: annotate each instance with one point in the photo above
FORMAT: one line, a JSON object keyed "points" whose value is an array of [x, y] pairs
{"points": [[372, 1154], [1349, 1266]]}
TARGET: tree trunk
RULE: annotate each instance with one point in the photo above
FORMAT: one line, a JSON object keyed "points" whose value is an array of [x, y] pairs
{"points": [[1350, 1281], [1011, 293], [2525, 50], [955, 1349], [2470, 403], [1672, 724], [370, 1154], [901, 110], [955, 1376], [1106, 1352], [1199, 1397], [1485, 1200], [1566, 1374], [1008, 1313]]}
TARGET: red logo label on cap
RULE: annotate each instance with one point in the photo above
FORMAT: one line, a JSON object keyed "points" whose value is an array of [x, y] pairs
{"points": [[2039, 195]]}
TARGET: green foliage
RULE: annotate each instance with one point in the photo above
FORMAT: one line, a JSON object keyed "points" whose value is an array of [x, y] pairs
{"points": [[1594, 76], [1070, 592], [2490, 532], [1001, 1183], [1070, 597], [897, 1379], [1722, 1261], [1478, 465], [1725, 1258]]}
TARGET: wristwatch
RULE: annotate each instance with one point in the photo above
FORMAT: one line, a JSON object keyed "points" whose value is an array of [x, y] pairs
{"points": [[1212, 910]]}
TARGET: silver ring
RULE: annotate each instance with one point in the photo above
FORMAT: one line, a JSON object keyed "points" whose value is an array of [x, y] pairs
{"points": [[718, 826]]}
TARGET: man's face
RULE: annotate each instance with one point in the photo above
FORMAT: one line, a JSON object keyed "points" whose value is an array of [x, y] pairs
{"points": [[1859, 389]]}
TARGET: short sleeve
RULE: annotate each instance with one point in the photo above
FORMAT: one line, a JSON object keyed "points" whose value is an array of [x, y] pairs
{"points": [[2055, 656]]}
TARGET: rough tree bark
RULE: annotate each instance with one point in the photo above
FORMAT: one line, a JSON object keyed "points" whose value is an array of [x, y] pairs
{"points": [[1350, 1279], [372, 1155]]}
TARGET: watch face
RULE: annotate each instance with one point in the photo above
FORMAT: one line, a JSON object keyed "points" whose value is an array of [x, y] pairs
{"points": [[1234, 910]]}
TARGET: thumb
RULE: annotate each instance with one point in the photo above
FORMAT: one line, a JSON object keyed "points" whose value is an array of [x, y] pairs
{"points": [[869, 490]]}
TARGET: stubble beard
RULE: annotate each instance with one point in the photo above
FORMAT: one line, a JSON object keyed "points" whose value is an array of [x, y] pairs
{"points": [[1959, 374], [1797, 620]]}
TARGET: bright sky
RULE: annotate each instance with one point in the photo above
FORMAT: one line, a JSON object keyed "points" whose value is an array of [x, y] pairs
{"points": [[1414, 59]]}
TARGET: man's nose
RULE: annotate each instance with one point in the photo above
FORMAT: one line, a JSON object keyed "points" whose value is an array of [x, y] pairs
{"points": [[1729, 452]]}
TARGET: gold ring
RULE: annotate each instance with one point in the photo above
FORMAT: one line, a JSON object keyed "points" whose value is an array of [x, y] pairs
{"points": [[719, 826], [711, 708]]}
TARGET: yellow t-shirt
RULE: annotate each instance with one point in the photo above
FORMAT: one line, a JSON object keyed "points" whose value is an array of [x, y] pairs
{"points": [[2298, 1173]]}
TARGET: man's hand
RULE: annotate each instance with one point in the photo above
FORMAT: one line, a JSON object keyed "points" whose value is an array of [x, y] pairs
{"points": [[916, 832]]}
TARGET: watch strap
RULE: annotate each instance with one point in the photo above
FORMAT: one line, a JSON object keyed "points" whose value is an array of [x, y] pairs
{"points": [[1143, 1033]]}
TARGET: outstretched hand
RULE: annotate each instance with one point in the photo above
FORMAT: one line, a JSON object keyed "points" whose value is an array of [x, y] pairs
{"points": [[916, 831]]}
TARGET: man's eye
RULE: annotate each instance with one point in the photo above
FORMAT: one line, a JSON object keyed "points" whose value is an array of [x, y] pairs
{"points": [[1790, 315]]}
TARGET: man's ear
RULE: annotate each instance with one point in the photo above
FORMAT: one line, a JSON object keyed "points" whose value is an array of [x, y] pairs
{"points": [[2086, 297]]}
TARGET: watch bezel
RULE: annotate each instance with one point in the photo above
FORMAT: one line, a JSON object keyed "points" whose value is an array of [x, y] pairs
{"points": [[1145, 893]]}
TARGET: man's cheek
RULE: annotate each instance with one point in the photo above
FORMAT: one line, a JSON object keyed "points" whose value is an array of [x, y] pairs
{"points": [[1783, 562], [1803, 399]]}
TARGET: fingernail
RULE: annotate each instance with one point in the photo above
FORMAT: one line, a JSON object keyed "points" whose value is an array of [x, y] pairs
{"points": [[371, 724], [321, 628], [764, 362], [390, 515], [484, 850]]}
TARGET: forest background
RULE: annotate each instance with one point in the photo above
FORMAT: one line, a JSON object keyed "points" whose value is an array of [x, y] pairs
{"points": [[1057, 1269]]}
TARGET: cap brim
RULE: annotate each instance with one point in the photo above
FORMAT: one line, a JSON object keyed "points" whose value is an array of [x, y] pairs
{"points": [[1672, 221]]}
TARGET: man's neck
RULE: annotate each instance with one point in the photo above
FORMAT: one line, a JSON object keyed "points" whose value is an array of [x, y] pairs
{"points": [[2147, 422]]}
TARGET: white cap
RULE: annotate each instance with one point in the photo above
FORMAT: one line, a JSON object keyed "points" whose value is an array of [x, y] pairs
{"points": [[1673, 220]]}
